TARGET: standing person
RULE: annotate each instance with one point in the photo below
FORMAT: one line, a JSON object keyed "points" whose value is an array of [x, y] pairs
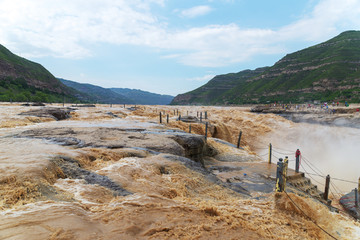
{"points": [[297, 156]]}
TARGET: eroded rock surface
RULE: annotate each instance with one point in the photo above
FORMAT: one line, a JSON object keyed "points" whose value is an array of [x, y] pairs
{"points": [[55, 113], [177, 143]]}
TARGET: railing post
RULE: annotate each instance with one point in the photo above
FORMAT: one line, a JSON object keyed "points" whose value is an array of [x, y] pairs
{"points": [[205, 114], [200, 116], [297, 163], [160, 117], [179, 117], [356, 198], [206, 130], [285, 168], [327, 184], [239, 139], [270, 152], [167, 118], [279, 178]]}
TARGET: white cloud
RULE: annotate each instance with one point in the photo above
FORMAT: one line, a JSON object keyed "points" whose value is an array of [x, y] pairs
{"points": [[53, 28], [328, 18], [202, 78], [64, 29], [196, 11]]}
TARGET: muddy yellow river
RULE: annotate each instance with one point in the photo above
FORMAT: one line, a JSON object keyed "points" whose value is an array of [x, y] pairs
{"points": [[116, 173]]}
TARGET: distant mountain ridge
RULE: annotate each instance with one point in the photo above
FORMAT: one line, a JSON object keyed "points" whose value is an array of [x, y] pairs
{"points": [[144, 97], [92, 93], [22, 80], [327, 71], [118, 95]]}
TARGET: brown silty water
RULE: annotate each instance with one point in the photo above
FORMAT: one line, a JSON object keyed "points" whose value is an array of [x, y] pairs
{"points": [[123, 176]]}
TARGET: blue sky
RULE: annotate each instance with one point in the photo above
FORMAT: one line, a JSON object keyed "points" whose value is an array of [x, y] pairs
{"points": [[164, 46]]}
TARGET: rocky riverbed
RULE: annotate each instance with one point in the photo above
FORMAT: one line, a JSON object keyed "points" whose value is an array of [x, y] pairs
{"points": [[116, 173]]}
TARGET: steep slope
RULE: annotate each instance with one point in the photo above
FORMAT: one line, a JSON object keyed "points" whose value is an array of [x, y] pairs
{"points": [[143, 97], [215, 91], [24, 80], [327, 71], [97, 94]]}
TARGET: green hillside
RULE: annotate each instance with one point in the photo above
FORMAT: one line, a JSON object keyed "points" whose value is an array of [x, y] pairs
{"points": [[325, 72], [23, 80]]}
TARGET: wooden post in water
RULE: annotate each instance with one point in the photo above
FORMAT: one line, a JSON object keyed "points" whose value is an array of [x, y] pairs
{"points": [[205, 114], [111, 105], [327, 183], [200, 116], [239, 139], [180, 117], [187, 113], [279, 178], [167, 118], [177, 112], [197, 114], [206, 130], [174, 112], [124, 105], [190, 128], [270, 152], [160, 117]]}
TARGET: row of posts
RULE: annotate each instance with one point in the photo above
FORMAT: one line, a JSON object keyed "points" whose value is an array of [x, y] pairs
{"points": [[206, 125], [282, 166], [281, 174], [201, 115], [297, 160]]}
